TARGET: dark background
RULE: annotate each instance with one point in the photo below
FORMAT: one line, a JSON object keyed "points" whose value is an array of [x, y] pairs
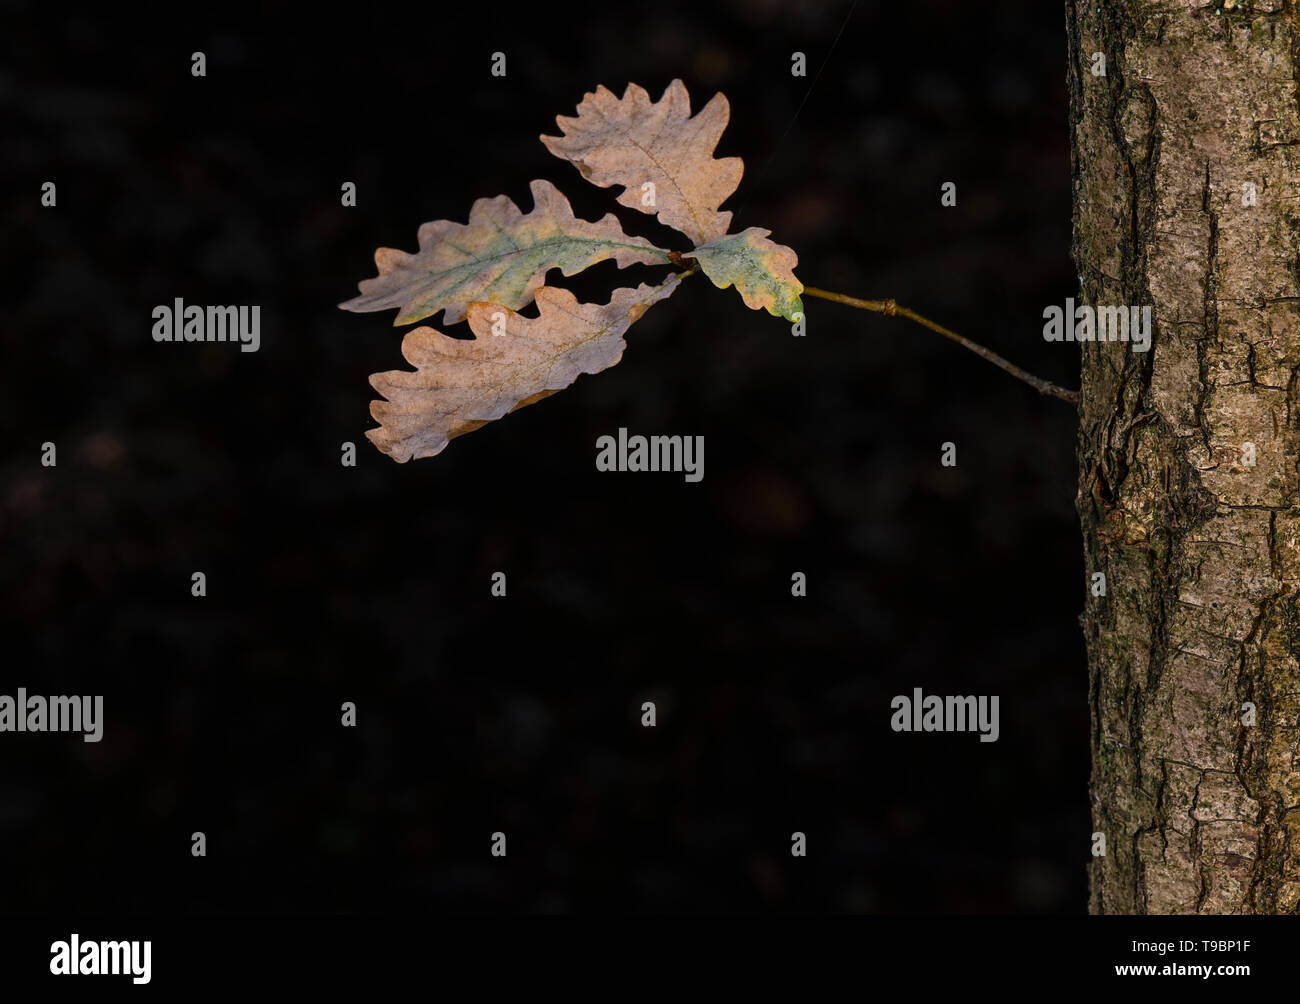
{"points": [[328, 584]]}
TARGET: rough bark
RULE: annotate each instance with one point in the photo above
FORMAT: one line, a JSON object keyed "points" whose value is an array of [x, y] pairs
{"points": [[1201, 551]]}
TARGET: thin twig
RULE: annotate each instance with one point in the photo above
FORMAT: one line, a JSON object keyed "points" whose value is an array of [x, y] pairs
{"points": [[892, 309]]}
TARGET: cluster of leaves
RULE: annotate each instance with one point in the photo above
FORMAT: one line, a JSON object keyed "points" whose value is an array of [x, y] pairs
{"points": [[489, 268]]}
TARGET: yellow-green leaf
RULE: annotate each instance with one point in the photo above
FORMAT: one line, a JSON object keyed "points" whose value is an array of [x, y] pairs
{"points": [[501, 255], [461, 384], [761, 270]]}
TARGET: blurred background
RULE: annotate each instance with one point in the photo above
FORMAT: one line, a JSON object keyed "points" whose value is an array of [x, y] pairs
{"points": [[371, 584]]}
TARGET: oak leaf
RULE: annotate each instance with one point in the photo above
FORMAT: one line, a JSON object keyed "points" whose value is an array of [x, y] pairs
{"points": [[501, 255], [632, 141], [761, 270], [496, 263], [459, 385]]}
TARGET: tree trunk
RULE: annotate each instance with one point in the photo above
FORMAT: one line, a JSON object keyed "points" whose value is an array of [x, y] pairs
{"points": [[1199, 623]]}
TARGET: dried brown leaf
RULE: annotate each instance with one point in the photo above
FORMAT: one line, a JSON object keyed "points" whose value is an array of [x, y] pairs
{"points": [[633, 141], [459, 385]]}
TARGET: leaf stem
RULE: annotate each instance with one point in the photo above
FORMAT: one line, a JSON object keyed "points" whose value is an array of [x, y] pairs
{"points": [[891, 309]]}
